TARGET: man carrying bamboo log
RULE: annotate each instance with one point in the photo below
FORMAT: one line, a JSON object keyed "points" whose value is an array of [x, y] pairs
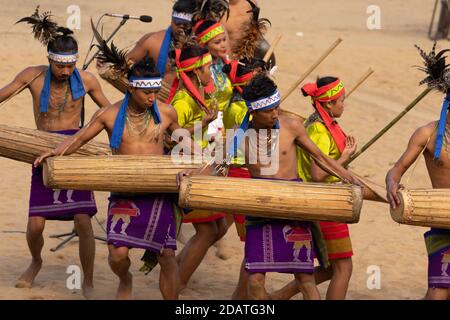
{"points": [[57, 90], [136, 126], [276, 245], [433, 141]]}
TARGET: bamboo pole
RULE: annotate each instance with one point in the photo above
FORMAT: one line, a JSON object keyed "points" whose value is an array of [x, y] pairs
{"points": [[272, 48], [272, 199], [430, 28], [116, 173], [359, 82], [21, 88], [389, 125], [25, 145], [311, 69]]}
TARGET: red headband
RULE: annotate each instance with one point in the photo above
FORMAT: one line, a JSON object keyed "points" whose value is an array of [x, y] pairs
{"points": [[327, 93], [210, 33], [182, 67], [236, 80]]}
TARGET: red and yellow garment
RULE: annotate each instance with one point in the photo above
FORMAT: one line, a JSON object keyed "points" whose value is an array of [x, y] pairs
{"points": [[185, 66], [327, 93]]}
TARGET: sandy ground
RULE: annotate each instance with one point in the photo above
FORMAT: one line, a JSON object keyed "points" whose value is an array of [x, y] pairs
{"points": [[397, 250]]}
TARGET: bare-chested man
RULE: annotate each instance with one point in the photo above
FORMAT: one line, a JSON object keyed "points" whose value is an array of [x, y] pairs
{"points": [[57, 91], [276, 137], [157, 45], [433, 141], [424, 139], [136, 126]]}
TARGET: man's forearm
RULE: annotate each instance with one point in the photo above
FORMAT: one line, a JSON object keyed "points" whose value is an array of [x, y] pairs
{"points": [[68, 146], [329, 163]]}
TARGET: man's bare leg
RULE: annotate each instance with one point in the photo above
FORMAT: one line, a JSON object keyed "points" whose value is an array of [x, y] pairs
{"points": [[240, 293], [222, 250], [256, 286], [291, 289], [307, 286], [286, 292], [120, 264], [195, 250], [437, 294], [35, 241], [85, 233], [169, 276], [342, 272]]}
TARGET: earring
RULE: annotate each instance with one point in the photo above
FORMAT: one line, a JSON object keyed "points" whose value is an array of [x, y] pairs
{"points": [[200, 84]]}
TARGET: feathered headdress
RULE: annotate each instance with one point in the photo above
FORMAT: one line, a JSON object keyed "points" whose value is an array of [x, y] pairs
{"points": [[438, 79], [211, 10], [253, 32], [112, 55], [434, 66], [44, 29]]}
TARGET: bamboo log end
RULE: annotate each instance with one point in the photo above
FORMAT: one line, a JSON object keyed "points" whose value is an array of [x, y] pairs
{"points": [[402, 211], [183, 198], [397, 214], [47, 174], [357, 194]]}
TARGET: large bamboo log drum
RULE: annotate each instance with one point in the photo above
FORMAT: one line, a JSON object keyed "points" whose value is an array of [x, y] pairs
{"points": [[118, 173], [273, 198], [25, 145], [423, 207]]}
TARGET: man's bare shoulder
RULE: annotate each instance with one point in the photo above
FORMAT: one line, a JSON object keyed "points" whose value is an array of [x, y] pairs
{"points": [[152, 38], [32, 71], [166, 110], [290, 122], [87, 77], [110, 110], [425, 131]]}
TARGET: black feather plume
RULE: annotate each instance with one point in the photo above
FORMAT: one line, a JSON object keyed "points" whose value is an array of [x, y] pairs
{"points": [[112, 54], [438, 74], [44, 29], [253, 34], [212, 10], [254, 10]]}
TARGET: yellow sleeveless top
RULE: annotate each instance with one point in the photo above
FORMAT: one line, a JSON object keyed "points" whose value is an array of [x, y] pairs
{"points": [[189, 112], [321, 137]]}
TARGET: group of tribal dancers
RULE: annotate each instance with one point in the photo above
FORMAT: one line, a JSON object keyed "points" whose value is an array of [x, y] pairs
{"points": [[211, 59]]}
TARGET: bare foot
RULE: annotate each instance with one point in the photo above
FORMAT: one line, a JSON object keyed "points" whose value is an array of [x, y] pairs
{"points": [[125, 287], [27, 278], [239, 295], [88, 291]]}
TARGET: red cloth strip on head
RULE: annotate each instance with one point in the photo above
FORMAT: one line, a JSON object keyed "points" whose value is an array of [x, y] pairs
{"points": [[235, 79], [200, 35], [186, 80], [317, 95]]}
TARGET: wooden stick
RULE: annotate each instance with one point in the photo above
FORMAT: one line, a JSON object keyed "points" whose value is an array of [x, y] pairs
{"points": [[272, 48], [363, 78], [311, 69], [389, 125], [21, 88], [360, 81], [430, 28]]}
